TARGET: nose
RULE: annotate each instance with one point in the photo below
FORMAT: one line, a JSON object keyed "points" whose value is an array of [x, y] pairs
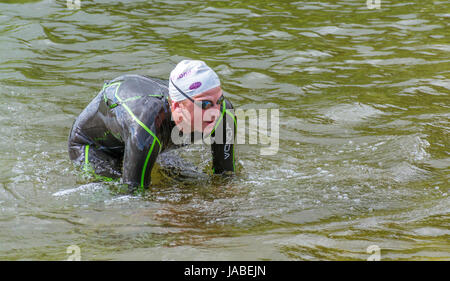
{"points": [[213, 114], [213, 117]]}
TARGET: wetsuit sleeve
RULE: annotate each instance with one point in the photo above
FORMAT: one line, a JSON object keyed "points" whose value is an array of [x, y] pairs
{"points": [[84, 150], [141, 151], [80, 134], [223, 141]]}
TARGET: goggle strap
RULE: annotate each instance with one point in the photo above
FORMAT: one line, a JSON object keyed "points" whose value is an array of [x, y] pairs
{"points": [[179, 90]]}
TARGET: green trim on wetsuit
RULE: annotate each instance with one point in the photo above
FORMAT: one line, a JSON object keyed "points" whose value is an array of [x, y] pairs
{"points": [[235, 123], [87, 166], [220, 119], [145, 164], [131, 99], [134, 116], [224, 110], [142, 124], [155, 138], [232, 116]]}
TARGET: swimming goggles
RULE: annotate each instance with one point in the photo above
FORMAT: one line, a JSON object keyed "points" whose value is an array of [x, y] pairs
{"points": [[204, 104]]}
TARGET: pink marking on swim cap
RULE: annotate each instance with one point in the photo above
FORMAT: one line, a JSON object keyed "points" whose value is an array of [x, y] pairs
{"points": [[184, 74], [195, 85]]}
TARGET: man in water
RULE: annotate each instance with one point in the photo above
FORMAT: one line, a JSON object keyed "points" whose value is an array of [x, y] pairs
{"points": [[135, 118]]}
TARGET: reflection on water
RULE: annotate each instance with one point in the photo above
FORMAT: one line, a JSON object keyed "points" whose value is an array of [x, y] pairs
{"points": [[364, 126]]}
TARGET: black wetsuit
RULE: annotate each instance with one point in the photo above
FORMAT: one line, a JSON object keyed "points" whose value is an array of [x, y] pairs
{"points": [[125, 127]]}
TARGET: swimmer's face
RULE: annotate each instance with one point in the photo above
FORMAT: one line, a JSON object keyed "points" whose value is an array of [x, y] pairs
{"points": [[191, 117]]}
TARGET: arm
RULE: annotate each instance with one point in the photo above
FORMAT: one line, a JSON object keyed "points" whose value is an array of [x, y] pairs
{"points": [[223, 143], [139, 158], [84, 148]]}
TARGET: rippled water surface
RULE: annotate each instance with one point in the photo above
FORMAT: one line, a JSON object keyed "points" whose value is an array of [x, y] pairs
{"points": [[364, 130]]}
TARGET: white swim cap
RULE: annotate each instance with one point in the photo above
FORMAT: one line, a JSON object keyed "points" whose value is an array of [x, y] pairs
{"points": [[193, 77]]}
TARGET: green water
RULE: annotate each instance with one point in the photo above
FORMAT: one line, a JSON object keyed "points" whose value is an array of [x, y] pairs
{"points": [[364, 130]]}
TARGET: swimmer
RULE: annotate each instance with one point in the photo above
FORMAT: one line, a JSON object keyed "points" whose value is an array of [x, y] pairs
{"points": [[134, 118]]}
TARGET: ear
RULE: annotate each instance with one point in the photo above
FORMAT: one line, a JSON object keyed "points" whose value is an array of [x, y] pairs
{"points": [[174, 105], [177, 114]]}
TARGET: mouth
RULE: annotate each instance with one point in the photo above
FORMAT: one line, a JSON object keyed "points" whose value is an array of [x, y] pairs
{"points": [[208, 126], [211, 121]]}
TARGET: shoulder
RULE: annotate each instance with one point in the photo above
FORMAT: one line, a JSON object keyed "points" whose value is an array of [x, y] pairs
{"points": [[135, 84], [137, 78], [228, 104]]}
